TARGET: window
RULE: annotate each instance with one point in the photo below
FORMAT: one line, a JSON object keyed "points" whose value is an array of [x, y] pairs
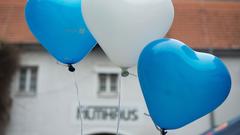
{"points": [[28, 80], [108, 84]]}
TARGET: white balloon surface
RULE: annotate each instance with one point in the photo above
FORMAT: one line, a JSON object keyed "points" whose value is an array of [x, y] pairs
{"points": [[124, 27]]}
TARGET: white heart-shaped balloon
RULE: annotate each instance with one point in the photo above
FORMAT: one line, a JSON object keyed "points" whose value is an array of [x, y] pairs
{"points": [[124, 27]]}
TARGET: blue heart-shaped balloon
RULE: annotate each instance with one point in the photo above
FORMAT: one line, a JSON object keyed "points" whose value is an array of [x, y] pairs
{"points": [[180, 85], [60, 28]]}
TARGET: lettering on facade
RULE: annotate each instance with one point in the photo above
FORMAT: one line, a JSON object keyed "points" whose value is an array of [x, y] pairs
{"points": [[107, 113]]}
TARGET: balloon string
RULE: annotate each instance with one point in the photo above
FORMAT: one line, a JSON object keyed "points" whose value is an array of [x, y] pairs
{"points": [[119, 104], [133, 75], [79, 102], [161, 130]]}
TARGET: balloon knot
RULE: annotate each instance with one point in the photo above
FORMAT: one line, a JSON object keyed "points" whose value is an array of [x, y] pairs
{"points": [[71, 68], [124, 72], [164, 132]]}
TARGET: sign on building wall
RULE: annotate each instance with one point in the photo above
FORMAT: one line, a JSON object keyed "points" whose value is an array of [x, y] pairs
{"points": [[108, 114]]}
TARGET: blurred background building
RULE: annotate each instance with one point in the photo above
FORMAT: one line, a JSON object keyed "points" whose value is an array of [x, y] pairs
{"points": [[44, 98]]}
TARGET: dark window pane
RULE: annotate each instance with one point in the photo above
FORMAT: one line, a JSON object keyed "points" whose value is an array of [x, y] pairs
{"points": [[113, 82], [23, 79], [102, 82], [33, 79]]}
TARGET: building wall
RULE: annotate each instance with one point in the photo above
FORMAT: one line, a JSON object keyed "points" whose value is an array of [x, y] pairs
{"points": [[230, 108], [53, 111]]}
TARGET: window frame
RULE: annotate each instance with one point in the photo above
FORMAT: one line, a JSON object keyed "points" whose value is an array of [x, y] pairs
{"points": [[28, 91], [108, 93]]}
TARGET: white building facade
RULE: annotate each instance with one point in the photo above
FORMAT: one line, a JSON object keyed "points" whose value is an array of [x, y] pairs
{"points": [[45, 98]]}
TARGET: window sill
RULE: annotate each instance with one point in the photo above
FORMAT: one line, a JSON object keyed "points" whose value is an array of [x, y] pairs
{"points": [[26, 94], [107, 95]]}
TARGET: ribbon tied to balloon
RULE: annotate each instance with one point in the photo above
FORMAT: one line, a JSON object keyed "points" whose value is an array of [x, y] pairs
{"points": [[180, 85]]}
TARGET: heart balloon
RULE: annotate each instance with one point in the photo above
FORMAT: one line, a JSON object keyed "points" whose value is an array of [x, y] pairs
{"points": [[59, 27], [180, 85], [124, 27]]}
